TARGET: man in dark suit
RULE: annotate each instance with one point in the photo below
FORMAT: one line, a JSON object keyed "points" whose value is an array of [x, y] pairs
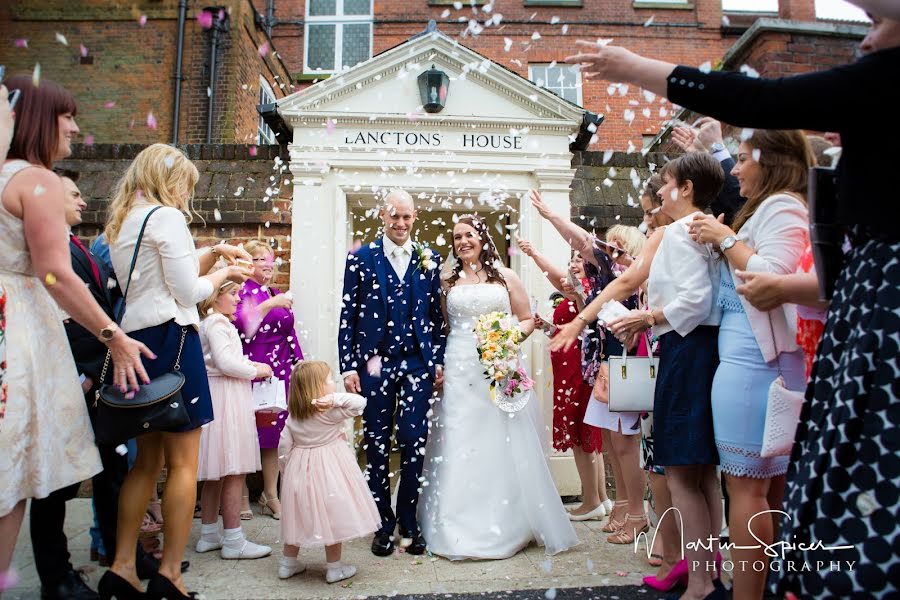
{"points": [[392, 352], [48, 541]]}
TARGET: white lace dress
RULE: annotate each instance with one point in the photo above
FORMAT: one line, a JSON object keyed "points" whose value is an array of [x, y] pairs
{"points": [[46, 440], [487, 489]]}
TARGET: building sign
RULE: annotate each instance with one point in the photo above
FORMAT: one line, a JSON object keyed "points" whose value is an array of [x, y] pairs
{"points": [[403, 139]]}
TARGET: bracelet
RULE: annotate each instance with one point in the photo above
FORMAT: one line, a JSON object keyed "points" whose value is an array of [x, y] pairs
{"points": [[580, 316], [651, 320]]}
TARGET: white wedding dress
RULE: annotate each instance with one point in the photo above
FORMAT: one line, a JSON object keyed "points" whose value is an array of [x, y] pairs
{"points": [[487, 490]]}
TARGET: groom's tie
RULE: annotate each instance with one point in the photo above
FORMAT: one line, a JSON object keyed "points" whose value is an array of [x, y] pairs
{"points": [[399, 261]]}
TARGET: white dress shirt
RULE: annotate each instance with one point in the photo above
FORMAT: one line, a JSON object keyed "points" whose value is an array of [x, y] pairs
{"points": [[398, 256], [684, 281], [166, 283]]}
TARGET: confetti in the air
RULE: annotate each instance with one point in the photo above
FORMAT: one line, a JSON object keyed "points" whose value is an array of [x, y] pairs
{"points": [[264, 49], [649, 21], [62, 39], [151, 120], [36, 75], [252, 150], [205, 19], [21, 43], [84, 51], [143, 20]]}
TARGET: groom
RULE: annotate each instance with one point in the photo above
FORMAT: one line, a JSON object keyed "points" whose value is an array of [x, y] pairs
{"points": [[392, 351]]}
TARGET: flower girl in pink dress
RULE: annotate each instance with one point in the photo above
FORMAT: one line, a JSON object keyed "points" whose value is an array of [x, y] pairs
{"points": [[325, 499], [229, 447]]}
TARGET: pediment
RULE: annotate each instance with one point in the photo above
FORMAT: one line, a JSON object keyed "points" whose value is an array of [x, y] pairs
{"points": [[385, 87]]}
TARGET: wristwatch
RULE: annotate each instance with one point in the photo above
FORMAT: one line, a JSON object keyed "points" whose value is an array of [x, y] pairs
{"points": [[108, 333], [728, 243], [716, 147]]}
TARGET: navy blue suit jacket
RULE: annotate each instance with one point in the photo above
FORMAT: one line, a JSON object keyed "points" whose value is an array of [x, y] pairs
{"points": [[364, 307]]}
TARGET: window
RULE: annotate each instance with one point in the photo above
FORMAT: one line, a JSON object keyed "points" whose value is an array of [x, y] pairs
{"points": [[264, 133], [562, 80], [664, 4], [338, 34]]}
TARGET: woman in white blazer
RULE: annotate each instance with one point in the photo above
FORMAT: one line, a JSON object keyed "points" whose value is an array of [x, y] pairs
{"points": [[770, 234], [169, 279]]}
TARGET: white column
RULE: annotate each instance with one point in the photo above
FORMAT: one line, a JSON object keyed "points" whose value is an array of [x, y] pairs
{"points": [[314, 275], [553, 185]]}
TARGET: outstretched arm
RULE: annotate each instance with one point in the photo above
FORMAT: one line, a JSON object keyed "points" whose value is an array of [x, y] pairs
{"points": [[618, 289], [553, 273], [580, 240]]}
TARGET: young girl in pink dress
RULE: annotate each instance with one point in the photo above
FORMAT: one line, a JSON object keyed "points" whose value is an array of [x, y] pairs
{"points": [[229, 447], [325, 499]]}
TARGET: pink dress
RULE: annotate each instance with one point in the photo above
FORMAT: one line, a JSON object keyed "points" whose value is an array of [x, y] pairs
{"points": [[324, 497], [229, 444]]}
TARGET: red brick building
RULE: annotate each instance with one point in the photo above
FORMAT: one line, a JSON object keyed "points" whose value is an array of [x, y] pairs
{"points": [[120, 58]]}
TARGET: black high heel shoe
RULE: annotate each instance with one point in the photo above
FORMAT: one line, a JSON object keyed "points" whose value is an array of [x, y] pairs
{"points": [[162, 588], [113, 586]]}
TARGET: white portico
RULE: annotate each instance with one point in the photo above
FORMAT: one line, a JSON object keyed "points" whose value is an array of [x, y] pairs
{"points": [[363, 132]]}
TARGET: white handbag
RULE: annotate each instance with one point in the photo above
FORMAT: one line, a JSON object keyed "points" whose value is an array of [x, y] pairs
{"points": [[268, 394], [632, 382], [782, 413]]}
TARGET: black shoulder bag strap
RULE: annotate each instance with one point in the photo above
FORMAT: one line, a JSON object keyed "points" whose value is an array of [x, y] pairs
{"points": [[137, 248]]}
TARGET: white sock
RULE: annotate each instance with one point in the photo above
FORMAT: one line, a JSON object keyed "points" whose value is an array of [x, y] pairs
{"points": [[334, 565], [208, 529], [290, 561], [233, 535]]}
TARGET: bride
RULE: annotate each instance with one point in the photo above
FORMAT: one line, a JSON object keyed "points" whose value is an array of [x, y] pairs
{"points": [[487, 490]]}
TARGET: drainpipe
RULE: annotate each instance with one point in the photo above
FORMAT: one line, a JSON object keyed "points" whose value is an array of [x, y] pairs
{"points": [[270, 17], [182, 13], [218, 26]]}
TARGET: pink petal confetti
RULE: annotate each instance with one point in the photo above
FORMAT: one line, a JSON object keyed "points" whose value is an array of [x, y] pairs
{"points": [[88, 140], [84, 51], [329, 126], [252, 150], [151, 120], [109, 105], [205, 19], [143, 20], [264, 49], [21, 43]]}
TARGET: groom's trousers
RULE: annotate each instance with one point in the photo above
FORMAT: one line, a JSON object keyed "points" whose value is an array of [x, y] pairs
{"points": [[401, 392]]}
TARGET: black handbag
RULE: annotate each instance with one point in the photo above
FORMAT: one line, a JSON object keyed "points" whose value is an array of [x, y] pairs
{"points": [[157, 406]]}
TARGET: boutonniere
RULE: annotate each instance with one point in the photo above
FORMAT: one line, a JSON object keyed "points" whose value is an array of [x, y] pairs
{"points": [[426, 257]]}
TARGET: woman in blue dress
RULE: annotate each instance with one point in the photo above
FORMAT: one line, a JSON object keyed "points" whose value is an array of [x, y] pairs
{"points": [[756, 347]]}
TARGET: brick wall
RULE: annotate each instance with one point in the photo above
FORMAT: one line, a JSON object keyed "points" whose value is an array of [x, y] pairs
{"points": [[691, 36], [231, 194], [129, 69]]}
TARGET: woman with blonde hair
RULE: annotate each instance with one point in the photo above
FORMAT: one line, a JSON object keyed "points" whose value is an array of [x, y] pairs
{"points": [[627, 238], [266, 323], [168, 281], [756, 347]]}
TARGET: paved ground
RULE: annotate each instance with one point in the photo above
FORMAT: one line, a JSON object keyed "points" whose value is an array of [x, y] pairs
{"points": [[596, 568]]}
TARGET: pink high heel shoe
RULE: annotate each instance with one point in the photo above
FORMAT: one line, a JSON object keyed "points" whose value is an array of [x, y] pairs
{"points": [[677, 576]]}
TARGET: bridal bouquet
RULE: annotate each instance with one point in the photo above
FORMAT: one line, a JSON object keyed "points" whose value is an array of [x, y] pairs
{"points": [[497, 339]]}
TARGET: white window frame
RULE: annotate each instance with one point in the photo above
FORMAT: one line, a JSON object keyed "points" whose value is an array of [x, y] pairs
{"points": [[264, 133], [578, 80], [338, 20]]}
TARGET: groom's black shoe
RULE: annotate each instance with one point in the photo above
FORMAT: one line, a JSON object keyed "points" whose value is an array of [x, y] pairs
{"points": [[382, 545], [417, 546]]}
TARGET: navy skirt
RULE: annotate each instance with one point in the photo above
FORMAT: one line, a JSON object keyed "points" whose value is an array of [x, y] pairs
{"points": [[682, 407], [163, 341]]}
